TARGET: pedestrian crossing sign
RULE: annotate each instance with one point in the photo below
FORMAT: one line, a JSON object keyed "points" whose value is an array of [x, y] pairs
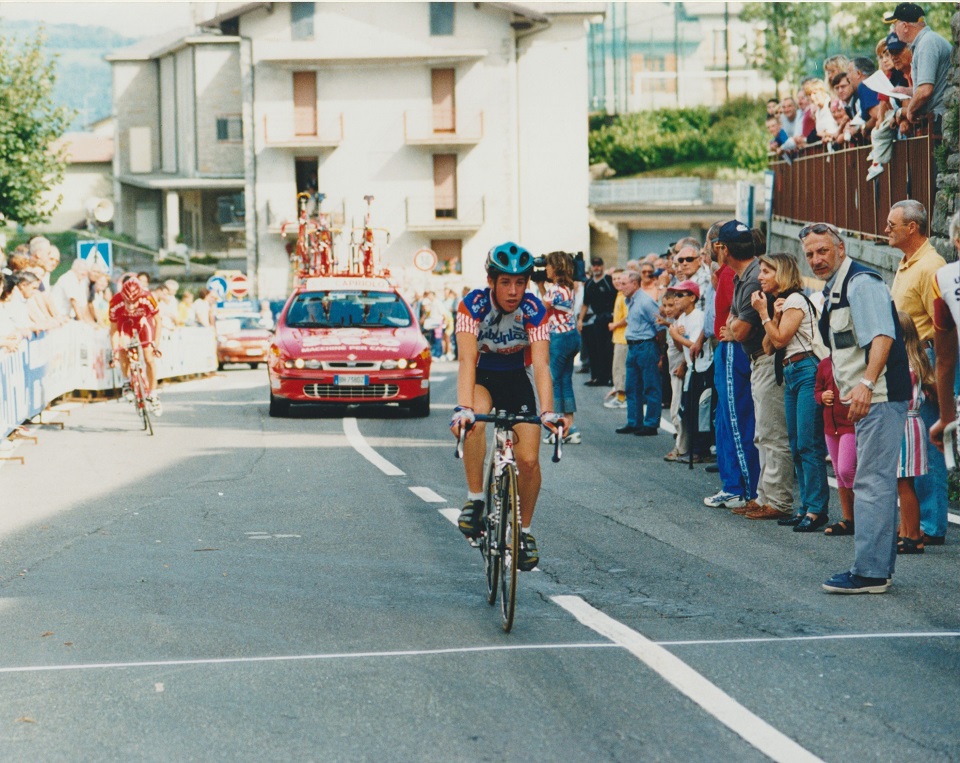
{"points": [[98, 253]]}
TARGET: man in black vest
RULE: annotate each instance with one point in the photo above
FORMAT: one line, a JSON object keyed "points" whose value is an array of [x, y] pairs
{"points": [[599, 294], [860, 326]]}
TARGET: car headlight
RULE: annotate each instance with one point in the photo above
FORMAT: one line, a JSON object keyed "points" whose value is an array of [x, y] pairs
{"points": [[298, 363]]}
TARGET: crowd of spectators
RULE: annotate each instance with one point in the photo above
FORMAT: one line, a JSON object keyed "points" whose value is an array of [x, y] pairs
{"points": [[771, 378], [869, 101], [31, 303]]}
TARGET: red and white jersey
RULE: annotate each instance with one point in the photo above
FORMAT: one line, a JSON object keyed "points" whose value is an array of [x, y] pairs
{"points": [[503, 339], [144, 309]]}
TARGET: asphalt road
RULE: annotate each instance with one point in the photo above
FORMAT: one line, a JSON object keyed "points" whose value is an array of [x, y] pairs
{"points": [[246, 588]]}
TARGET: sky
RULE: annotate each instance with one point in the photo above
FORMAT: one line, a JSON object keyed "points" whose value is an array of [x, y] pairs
{"points": [[133, 18]]}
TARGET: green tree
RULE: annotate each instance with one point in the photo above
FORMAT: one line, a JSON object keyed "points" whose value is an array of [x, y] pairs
{"points": [[860, 25], [790, 40], [29, 123]]}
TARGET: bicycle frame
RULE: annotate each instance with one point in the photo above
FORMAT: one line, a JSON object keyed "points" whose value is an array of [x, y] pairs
{"points": [[499, 543]]}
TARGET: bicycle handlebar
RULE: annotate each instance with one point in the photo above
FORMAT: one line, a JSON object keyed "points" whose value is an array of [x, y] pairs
{"points": [[504, 420]]}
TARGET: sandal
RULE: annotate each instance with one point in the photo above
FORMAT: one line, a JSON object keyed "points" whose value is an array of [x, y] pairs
{"points": [[843, 527], [674, 456], [910, 546]]}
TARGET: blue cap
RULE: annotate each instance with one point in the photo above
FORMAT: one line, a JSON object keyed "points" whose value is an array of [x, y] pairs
{"points": [[734, 232], [894, 43]]}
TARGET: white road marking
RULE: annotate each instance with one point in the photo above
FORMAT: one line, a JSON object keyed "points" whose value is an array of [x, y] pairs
{"points": [[427, 495], [437, 378], [303, 657], [15, 669], [453, 515], [753, 729], [834, 637], [352, 431]]}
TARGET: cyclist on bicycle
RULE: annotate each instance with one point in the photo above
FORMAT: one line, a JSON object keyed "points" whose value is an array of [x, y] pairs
{"points": [[133, 313], [502, 334]]}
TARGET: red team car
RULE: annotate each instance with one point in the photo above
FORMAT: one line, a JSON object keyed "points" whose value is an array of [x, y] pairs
{"points": [[348, 339]]}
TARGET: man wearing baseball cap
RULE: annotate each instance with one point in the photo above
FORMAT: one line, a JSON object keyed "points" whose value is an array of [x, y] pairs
{"points": [[930, 67]]}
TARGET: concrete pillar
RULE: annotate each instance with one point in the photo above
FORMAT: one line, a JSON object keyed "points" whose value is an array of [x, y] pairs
{"points": [[623, 244], [171, 219]]}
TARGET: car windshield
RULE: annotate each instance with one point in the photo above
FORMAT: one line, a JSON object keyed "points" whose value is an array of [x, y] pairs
{"points": [[338, 309], [232, 324]]}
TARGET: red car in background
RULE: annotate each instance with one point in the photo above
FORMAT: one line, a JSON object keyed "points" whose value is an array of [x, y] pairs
{"points": [[242, 338], [348, 340]]}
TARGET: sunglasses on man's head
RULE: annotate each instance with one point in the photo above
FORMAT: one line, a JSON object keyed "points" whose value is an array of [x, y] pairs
{"points": [[819, 229]]}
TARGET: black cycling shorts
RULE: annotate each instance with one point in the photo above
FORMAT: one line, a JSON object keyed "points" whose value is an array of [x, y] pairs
{"points": [[511, 391]]}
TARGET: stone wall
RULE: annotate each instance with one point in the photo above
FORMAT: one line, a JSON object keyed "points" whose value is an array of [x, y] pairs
{"points": [[949, 163]]}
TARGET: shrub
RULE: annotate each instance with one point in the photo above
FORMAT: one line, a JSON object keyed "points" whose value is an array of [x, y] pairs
{"points": [[648, 140]]}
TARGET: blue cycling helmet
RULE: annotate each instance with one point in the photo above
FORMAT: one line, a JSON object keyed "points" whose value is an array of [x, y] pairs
{"points": [[510, 259]]}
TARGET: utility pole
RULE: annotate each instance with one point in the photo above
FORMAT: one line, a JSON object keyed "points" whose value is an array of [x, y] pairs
{"points": [[676, 52], [726, 49]]}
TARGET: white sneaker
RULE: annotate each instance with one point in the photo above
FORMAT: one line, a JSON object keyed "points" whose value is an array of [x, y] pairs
{"points": [[552, 438], [723, 500], [875, 171], [155, 408], [574, 438], [614, 403]]}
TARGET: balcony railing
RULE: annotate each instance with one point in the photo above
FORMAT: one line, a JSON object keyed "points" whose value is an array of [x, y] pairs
{"points": [[649, 191], [442, 127], [281, 130], [463, 218], [822, 186]]}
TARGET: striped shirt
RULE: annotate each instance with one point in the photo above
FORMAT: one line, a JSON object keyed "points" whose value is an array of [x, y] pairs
{"points": [[559, 302]]}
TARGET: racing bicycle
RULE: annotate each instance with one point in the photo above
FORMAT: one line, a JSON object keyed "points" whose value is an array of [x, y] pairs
{"points": [[499, 542], [138, 381]]}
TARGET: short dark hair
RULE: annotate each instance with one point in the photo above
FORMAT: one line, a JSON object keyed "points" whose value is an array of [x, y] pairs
{"points": [[741, 251], [837, 77], [864, 65]]}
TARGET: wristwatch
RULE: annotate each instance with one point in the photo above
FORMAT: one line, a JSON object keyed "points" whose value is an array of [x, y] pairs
{"points": [[868, 384]]}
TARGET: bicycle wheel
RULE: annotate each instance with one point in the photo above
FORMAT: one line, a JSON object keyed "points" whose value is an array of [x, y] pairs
{"points": [[140, 386], [510, 546], [489, 543]]}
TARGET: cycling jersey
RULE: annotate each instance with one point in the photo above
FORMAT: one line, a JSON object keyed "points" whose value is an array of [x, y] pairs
{"points": [[136, 319], [503, 339], [946, 298]]}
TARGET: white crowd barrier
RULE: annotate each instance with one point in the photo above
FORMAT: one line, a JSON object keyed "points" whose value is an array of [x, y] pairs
{"points": [[76, 357]]}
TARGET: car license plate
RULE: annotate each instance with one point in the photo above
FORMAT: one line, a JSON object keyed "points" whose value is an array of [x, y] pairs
{"points": [[254, 352], [350, 380]]}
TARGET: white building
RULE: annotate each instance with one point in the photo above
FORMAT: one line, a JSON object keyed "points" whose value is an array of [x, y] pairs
{"points": [[466, 121]]}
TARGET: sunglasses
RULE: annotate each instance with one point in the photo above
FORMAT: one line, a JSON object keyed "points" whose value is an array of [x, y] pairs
{"points": [[681, 293], [685, 259], [819, 229]]}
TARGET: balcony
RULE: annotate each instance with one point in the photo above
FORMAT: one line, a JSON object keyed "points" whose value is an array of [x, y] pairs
{"points": [[442, 128], [463, 220], [282, 130], [822, 186]]}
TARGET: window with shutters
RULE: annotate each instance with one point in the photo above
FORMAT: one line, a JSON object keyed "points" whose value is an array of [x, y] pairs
{"points": [[229, 129]]}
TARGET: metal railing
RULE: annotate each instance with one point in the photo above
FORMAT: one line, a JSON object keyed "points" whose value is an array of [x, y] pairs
{"points": [[281, 128], [819, 185], [440, 125], [683, 190]]}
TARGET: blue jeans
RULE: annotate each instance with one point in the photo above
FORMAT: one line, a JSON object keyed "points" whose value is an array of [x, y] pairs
{"points": [[563, 349], [805, 433], [644, 393]]}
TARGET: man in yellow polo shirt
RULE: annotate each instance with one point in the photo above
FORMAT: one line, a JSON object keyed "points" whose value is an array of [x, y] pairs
{"points": [[618, 327], [914, 294]]}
